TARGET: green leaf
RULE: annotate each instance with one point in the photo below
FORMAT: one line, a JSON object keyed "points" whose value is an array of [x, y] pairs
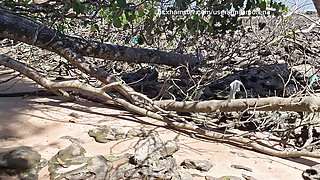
{"points": [[129, 16], [290, 36], [148, 25], [181, 24], [95, 27], [140, 13], [125, 26], [78, 7], [86, 23], [263, 6], [117, 23], [122, 3], [102, 12], [152, 12]]}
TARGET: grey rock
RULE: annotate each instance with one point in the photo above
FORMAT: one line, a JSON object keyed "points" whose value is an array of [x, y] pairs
{"points": [[71, 154], [153, 158], [19, 158], [71, 163], [106, 134], [170, 147], [121, 167], [136, 133], [236, 166], [140, 133], [312, 173], [152, 149], [20, 163], [202, 165], [183, 175], [72, 139], [96, 168]]}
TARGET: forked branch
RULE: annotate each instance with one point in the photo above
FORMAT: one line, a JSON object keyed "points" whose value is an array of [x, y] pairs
{"points": [[58, 87]]}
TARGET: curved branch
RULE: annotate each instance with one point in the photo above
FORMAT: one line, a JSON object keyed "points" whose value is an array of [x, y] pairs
{"points": [[32, 74], [171, 122]]}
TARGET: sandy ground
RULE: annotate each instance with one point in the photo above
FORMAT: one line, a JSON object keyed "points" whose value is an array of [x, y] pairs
{"points": [[40, 122]]}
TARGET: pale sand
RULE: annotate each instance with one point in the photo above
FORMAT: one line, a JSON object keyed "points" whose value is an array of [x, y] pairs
{"points": [[40, 122]]}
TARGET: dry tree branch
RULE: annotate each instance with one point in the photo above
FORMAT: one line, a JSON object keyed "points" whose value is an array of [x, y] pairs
{"points": [[298, 104], [58, 87], [32, 74], [75, 49], [307, 30]]}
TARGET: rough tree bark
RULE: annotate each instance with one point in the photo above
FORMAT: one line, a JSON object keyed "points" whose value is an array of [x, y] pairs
{"points": [[74, 49], [298, 104], [30, 32]]}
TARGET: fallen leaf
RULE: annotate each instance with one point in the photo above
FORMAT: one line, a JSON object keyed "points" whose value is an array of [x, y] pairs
{"points": [[73, 120], [61, 163]]}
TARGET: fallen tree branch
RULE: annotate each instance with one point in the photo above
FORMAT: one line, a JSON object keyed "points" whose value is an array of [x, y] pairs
{"points": [[74, 49], [30, 32], [298, 104], [32, 74], [74, 84]]}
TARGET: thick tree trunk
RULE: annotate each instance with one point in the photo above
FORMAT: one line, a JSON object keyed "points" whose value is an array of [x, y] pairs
{"points": [[317, 6], [73, 49], [25, 30]]}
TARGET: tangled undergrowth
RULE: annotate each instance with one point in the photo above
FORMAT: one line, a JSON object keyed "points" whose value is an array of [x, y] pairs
{"points": [[279, 60]]}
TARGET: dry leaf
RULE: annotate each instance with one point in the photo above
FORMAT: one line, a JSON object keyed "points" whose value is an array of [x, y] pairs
{"points": [[61, 163], [73, 120]]}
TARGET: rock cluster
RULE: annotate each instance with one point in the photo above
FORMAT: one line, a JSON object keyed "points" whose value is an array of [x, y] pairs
{"points": [[152, 159]]}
